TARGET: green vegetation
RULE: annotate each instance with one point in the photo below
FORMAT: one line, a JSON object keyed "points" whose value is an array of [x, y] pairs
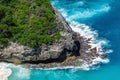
{"points": [[27, 22]]}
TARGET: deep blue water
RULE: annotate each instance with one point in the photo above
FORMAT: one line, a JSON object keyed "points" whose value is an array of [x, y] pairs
{"points": [[100, 15]]}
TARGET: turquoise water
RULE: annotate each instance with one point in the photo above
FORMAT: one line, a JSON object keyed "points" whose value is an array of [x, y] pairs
{"points": [[100, 15]]}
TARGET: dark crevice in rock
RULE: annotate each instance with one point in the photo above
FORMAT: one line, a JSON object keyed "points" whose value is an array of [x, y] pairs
{"points": [[76, 49]]}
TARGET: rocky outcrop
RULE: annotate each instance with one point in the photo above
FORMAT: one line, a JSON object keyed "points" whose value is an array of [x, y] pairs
{"points": [[70, 50], [53, 52]]}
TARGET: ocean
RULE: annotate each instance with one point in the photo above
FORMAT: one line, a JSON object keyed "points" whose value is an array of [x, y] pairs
{"points": [[99, 19]]}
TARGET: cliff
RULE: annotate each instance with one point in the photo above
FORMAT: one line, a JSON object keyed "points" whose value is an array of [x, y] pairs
{"points": [[49, 43]]}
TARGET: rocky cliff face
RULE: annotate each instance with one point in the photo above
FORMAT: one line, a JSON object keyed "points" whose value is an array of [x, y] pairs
{"points": [[56, 51], [71, 49]]}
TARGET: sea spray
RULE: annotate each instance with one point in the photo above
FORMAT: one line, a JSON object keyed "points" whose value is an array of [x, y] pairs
{"points": [[86, 32], [5, 72], [81, 9]]}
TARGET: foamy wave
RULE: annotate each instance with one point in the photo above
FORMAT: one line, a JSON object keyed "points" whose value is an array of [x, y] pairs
{"points": [[105, 8], [20, 72], [90, 12], [5, 72], [87, 13], [82, 67], [63, 12], [80, 3], [86, 32], [109, 51], [23, 73], [94, 64], [98, 59]]}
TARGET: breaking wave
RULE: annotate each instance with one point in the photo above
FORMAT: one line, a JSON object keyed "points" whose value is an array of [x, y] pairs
{"points": [[81, 9], [86, 32], [6, 70], [90, 12]]}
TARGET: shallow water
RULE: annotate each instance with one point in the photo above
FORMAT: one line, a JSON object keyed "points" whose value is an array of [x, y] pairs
{"points": [[103, 18]]}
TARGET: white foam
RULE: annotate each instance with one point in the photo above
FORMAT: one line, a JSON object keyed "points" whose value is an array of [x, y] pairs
{"points": [[99, 45], [63, 12], [98, 60], [87, 13], [20, 72], [81, 67], [23, 73], [105, 8], [86, 32], [109, 51], [79, 3], [5, 72]]}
